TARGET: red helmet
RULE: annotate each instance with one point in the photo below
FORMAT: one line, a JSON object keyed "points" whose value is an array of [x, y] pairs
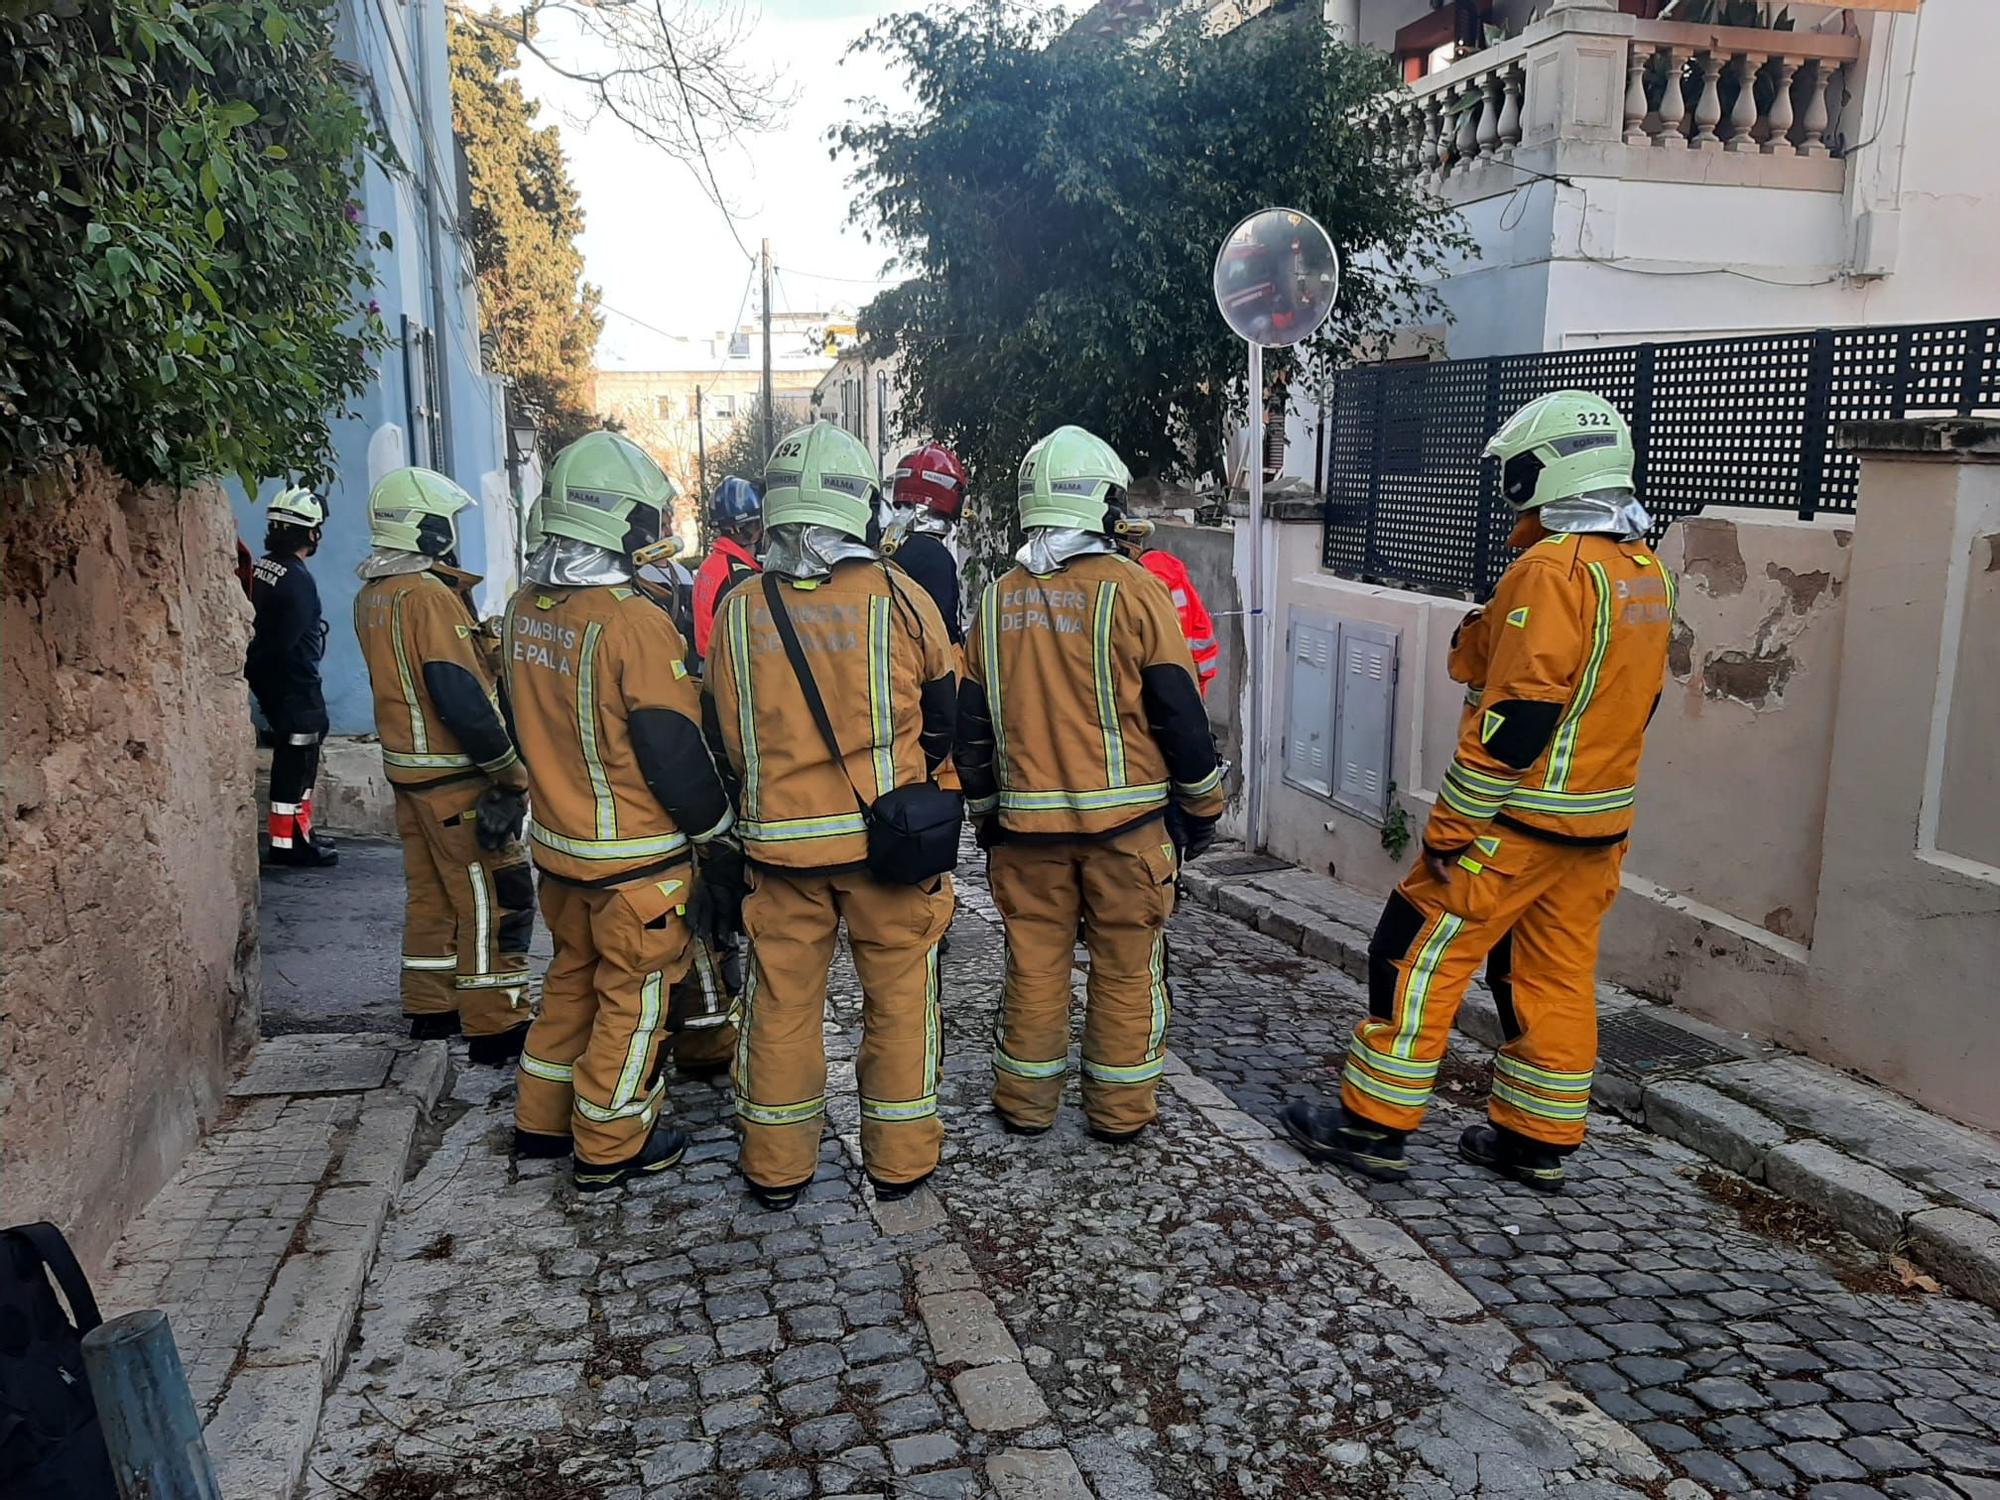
{"points": [[931, 477]]}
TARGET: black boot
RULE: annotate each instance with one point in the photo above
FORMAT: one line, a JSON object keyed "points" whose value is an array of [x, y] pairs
{"points": [[536, 1144], [1014, 1127], [664, 1148], [1113, 1137], [304, 854], [891, 1192], [435, 1026], [498, 1049], [1327, 1132], [775, 1198], [1500, 1150]]}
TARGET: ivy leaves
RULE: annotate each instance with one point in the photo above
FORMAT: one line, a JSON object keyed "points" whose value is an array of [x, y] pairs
{"points": [[184, 292]]}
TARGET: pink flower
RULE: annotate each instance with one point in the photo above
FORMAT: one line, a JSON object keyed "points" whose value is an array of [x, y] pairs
{"points": [[353, 212]]}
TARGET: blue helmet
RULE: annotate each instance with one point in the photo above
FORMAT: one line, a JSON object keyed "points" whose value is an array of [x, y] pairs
{"points": [[736, 503]]}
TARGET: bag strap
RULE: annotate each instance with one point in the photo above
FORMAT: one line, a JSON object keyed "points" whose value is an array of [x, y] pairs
{"points": [[53, 1251], [816, 705]]}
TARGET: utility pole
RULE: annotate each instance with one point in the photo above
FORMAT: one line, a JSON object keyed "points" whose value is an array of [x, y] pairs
{"points": [[700, 468], [770, 437]]}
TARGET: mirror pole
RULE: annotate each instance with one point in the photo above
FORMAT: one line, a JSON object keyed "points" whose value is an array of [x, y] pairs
{"points": [[1256, 635]]}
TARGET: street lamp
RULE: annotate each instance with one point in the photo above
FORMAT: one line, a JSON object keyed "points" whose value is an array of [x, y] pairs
{"points": [[1275, 279], [522, 433]]}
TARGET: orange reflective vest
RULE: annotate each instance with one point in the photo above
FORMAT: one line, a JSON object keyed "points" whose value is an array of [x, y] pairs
{"points": [[1192, 613]]}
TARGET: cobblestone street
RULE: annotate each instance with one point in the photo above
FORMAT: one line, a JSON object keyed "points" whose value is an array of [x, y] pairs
{"points": [[1201, 1313]]}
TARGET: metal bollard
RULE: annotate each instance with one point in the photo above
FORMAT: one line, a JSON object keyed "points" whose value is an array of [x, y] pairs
{"points": [[150, 1424]]}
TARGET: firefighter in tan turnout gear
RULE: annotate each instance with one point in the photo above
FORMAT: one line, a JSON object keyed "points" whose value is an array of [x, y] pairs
{"points": [[1089, 765], [877, 653], [460, 788], [1525, 843], [625, 796]]}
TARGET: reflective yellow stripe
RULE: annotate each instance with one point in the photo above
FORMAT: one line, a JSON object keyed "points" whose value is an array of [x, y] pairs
{"points": [[894, 1111], [658, 845], [1053, 1069], [641, 1106], [586, 728], [482, 917], [1388, 1093], [548, 1072], [881, 708], [933, 1026], [746, 713], [1547, 1078], [1156, 1034], [1107, 693], [793, 830], [1127, 796], [444, 962], [989, 642], [419, 733], [780, 1114], [642, 1039], [1535, 1104], [1202, 787], [442, 761], [1395, 1067], [1573, 804], [501, 979], [1563, 750], [495, 767], [979, 807], [1144, 1072], [1416, 989]]}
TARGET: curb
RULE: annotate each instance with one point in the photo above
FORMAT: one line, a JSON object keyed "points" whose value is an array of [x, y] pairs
{"points": [[1951, 1238], [263, 1430]]}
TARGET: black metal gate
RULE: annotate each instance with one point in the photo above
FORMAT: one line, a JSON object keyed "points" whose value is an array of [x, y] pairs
{"points": [[1738, 421]]}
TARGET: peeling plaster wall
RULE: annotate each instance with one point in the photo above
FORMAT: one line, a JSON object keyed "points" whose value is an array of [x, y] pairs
{"points": [[1732, 792], [128, 853]]}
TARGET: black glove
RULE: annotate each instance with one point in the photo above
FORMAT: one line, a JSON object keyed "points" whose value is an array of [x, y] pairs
{"points": [[716, 910], [986, 831], [1191, 836], [501, 814]]}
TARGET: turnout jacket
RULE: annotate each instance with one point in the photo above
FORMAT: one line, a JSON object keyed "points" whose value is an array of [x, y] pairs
{"points": [[1080, 717], [286, 644], [1564, 667], [928, 560], [1191, 612], [435, 710], [878, 651], [728, 563], [596, 682]]}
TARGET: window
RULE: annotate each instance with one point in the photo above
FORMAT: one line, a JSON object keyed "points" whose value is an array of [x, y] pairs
{"points": [[663, 408]]}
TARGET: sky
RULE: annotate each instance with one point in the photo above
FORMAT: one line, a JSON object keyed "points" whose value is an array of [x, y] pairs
{"points": [[663, 253]]}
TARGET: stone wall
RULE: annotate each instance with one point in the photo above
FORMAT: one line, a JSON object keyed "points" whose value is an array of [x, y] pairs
{"points": [[128, 856]]}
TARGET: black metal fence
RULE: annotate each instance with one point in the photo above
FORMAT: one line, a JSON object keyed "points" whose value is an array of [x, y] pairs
{"points": [[1737, 421]]}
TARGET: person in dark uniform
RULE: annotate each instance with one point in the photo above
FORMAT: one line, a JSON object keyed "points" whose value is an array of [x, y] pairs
{"points": [[927, 492], [282, 667]]}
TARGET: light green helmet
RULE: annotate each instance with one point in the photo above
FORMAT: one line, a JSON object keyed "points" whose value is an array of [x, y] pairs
{"points": [[1564, 444], [532, 528], [606, 489], [416, 510], [1075, 479], [821, 475], [297, 506]]}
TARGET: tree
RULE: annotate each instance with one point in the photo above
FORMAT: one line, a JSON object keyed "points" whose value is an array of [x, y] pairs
{"points": [[182, 276], [671, 71], [1060, 200], [525, 218]]}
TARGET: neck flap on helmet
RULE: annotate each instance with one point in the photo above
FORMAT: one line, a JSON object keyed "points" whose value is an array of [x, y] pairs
{"points": [[1607, 512], [1049, 548], [807, 550], [567, 563]]}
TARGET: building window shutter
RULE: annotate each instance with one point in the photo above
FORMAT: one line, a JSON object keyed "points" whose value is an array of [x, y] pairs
{"points": [[1309, 712], [1364, 718]]}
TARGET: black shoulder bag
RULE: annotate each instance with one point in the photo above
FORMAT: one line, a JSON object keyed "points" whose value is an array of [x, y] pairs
{"points": [[51, 1446], [912, 830]]}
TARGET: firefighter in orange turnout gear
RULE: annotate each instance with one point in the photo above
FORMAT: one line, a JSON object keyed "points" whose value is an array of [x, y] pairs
{"points": [[469, 900], [875, 649], [1529, 828], [625, 797], [1188, 608], [1090, 768]]}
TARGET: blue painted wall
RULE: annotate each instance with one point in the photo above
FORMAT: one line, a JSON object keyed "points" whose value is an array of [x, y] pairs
{"points": [[424, 284]]}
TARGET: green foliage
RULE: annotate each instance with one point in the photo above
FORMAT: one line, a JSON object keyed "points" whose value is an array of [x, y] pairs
{"points": [[1061, 199], [1396, 832], [525, 218], [181, 272]]}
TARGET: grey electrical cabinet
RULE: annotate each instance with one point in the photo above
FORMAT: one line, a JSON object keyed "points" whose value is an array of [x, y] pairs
{"points": [[1340, 710]]}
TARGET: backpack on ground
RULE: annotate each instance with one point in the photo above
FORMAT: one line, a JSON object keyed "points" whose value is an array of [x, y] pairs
{"points": [[51, 1447]]}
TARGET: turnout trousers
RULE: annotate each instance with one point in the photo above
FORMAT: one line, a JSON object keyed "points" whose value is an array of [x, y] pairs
{"points": [[594, 1059], [702, 1006], [468, 913], [1121, 891], [294, 768], [1540, 905], [893, 931]]}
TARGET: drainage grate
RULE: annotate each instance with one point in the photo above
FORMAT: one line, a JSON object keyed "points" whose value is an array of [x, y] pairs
{"points": [[1637, 1041], [1241, 864]]}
